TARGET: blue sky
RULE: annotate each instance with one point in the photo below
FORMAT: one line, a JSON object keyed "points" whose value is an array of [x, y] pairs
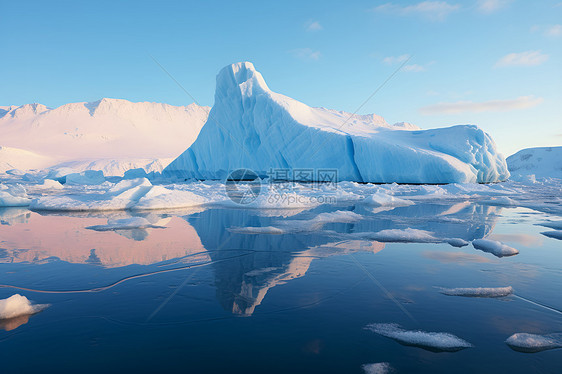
{"points": [[494, 63]]}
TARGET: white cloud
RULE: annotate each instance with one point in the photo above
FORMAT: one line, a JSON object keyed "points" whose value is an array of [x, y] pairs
{"points": [[555, 30], [527, 58], [551, 31], [522, 102], [306, 53], [313, 26], [432, 10], [391, 60], [491, 6], [414, 68]]}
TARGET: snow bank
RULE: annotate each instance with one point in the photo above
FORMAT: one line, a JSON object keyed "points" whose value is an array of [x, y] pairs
{"points": [[531, 343], [17, 305], [378, 368], [408, 235], [125, 224], [478, 292], [163, 198], [252, 127], [433, 341], [496, 248], [555, 234], [136, 194]]}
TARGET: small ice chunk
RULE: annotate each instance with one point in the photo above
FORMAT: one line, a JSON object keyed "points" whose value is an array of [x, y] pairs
{"points": [[404, 236], [531, 343], [457, 242], [496, 248], [478, 292], [49, 184], [555, 234], [125, 224], [381, 199], [17, 305], [8, 199], [431, 341], [378, 368]]}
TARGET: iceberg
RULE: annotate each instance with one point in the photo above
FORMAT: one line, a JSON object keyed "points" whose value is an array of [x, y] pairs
{"points": [[254, 128], [541, 162]]}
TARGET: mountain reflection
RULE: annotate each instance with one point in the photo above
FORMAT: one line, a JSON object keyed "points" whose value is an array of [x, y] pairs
{"points": [[241, 282]]}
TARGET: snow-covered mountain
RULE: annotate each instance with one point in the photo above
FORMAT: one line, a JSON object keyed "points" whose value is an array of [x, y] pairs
{"points": [[542, 162], [104, 132], [252, 127]]}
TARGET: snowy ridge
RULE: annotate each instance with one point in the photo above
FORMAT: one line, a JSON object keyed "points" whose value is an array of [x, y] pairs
{"points": [[252, 127], [105, 129]]}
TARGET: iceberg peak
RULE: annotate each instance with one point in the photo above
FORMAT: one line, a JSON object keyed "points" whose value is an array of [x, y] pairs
{"points": [[241, 76]]}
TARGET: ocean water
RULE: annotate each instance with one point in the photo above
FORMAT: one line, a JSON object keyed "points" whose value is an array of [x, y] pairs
{"points": [[206, 295]]}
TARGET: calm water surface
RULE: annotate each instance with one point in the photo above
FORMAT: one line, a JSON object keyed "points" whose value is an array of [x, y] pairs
{"points": [[202, 296]]}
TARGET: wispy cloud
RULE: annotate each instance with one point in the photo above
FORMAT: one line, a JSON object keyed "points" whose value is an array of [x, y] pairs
{"points": [[415, 68], [527, 58], [555, 30], [491, 6], [306, 53], [432, 10], [522, 102], [551, 30], [391, 60], [313, 26]]}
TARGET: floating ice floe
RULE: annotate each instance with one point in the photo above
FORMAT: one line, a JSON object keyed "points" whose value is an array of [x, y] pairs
{"points": [[489, 292], [17, 305], [159, 197], [378, 368], [432, 341], [496, 248], [125, 224], [457, 242], [555, 234], [258, 230], [13, 195], [531, 343], [380, 199], [408, 235]]}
